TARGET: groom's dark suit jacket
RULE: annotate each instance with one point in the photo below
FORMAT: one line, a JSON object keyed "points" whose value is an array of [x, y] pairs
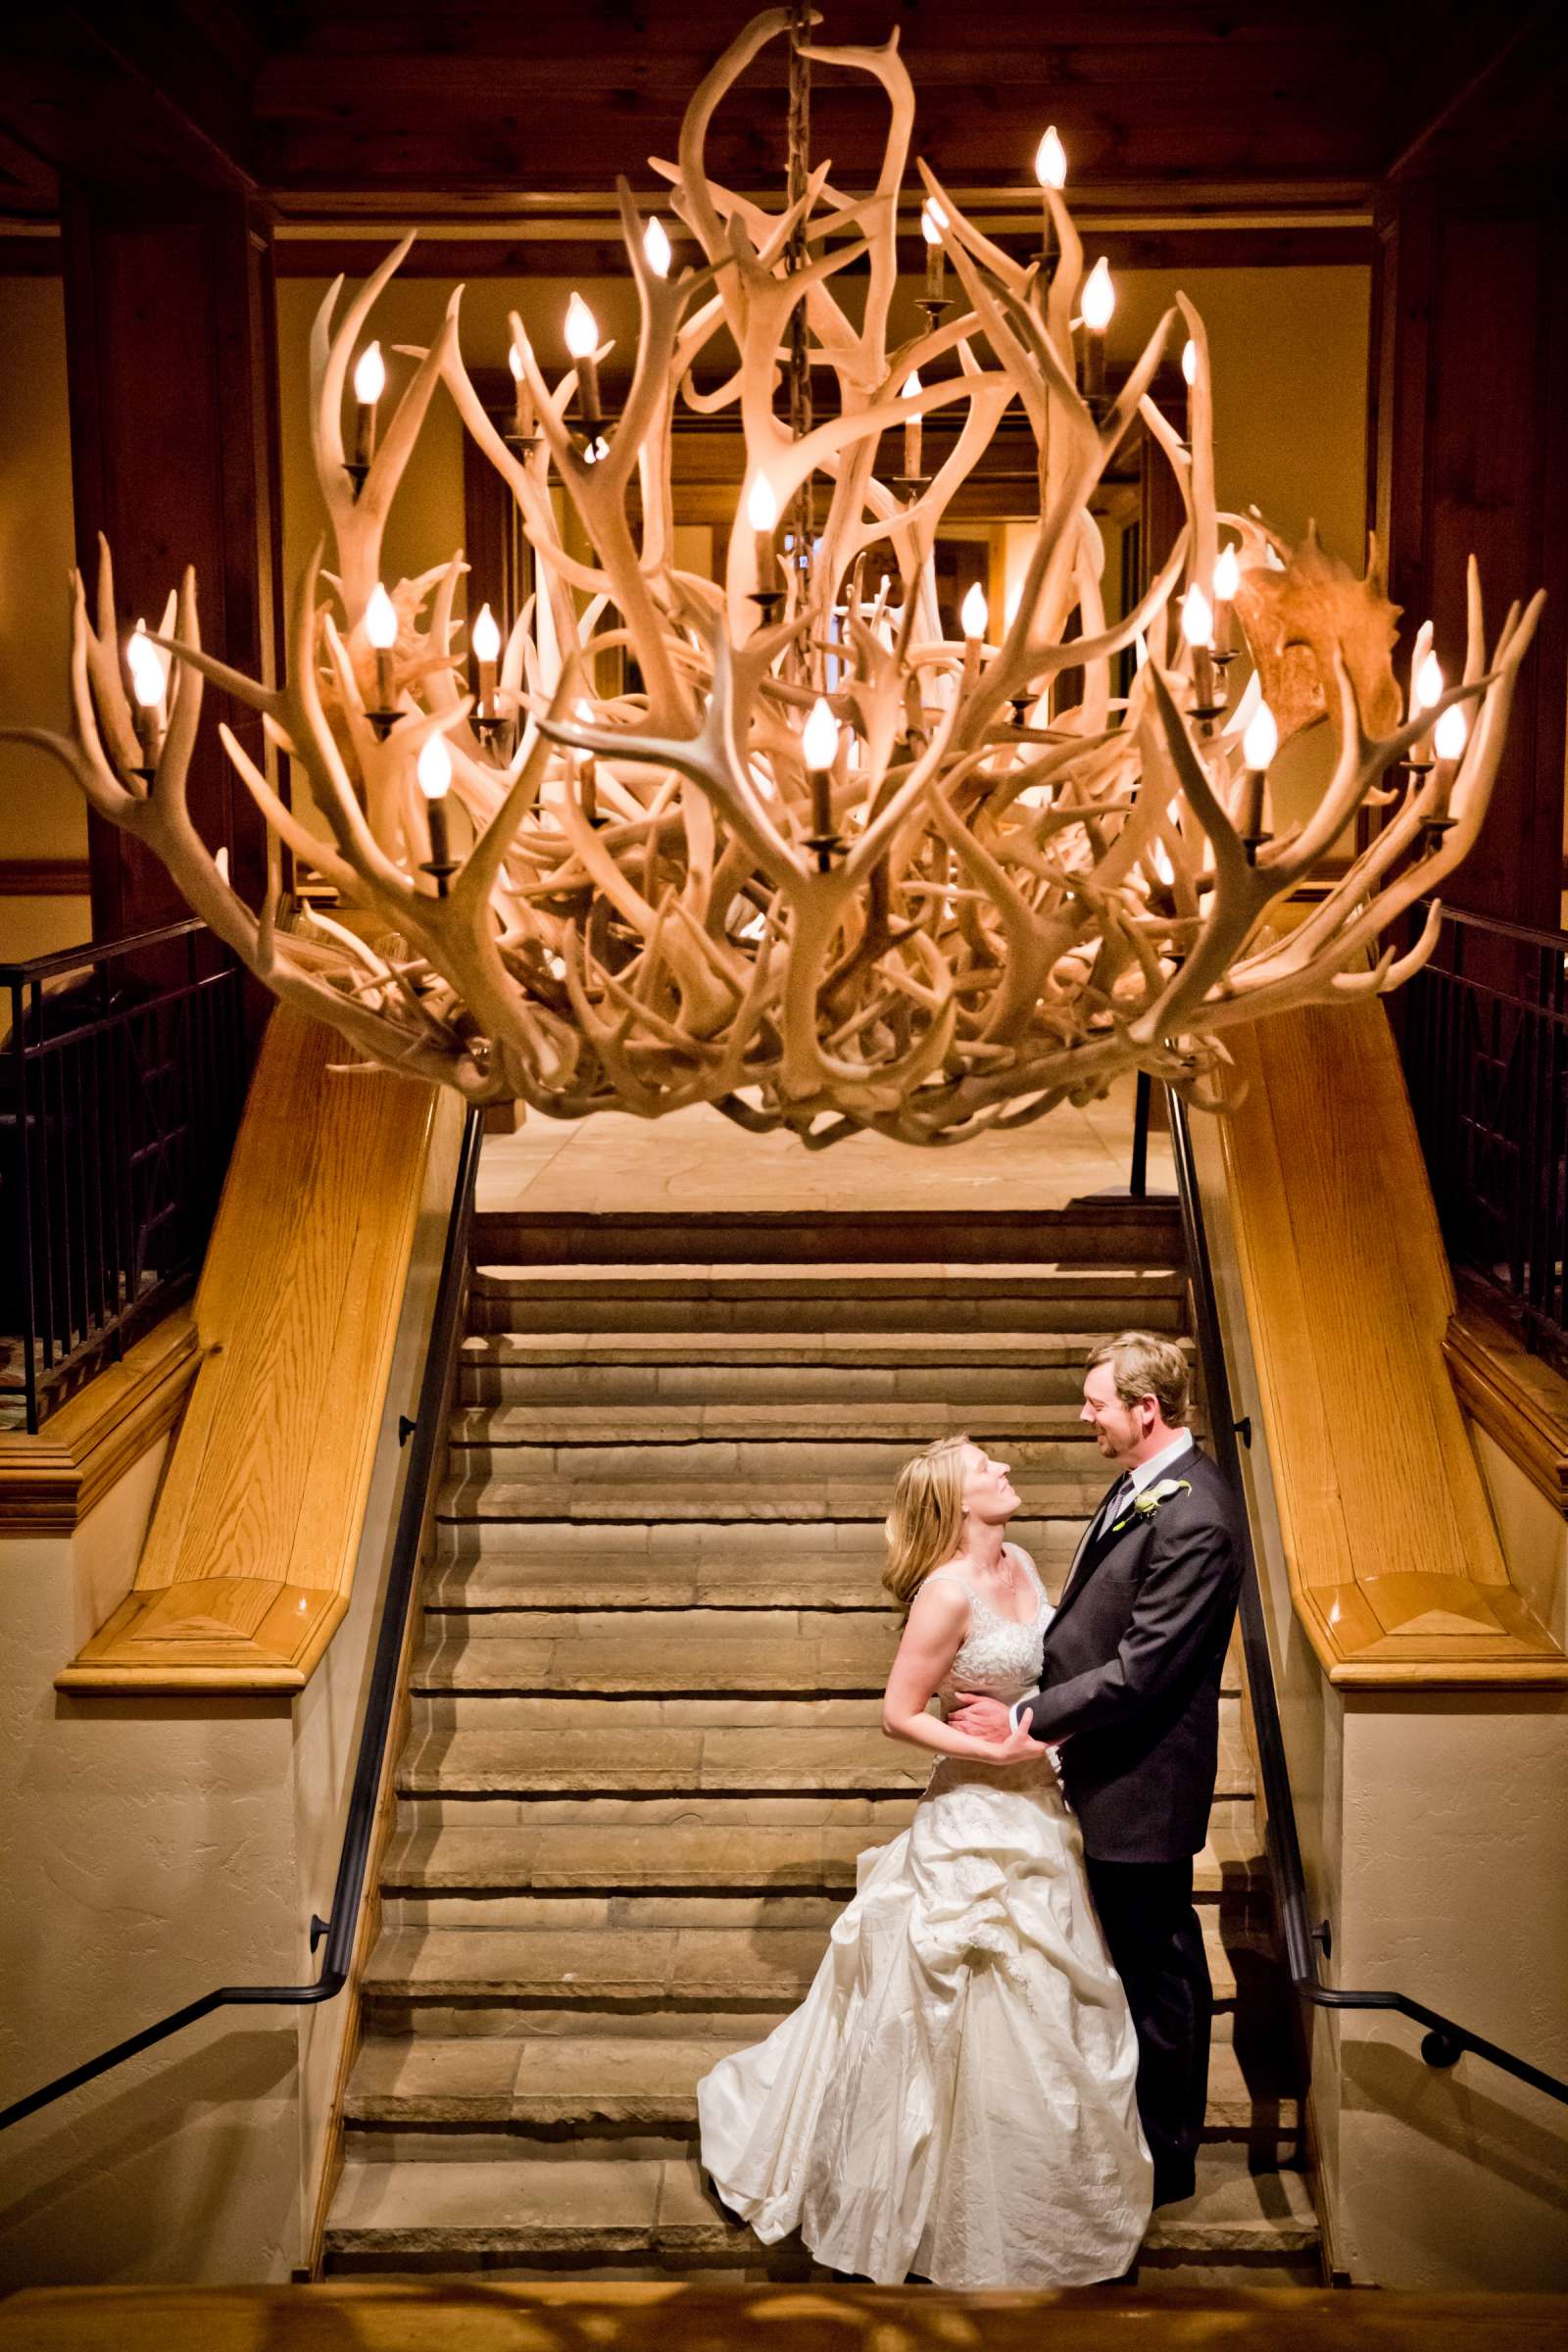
{"points": [[1132, 1667]]}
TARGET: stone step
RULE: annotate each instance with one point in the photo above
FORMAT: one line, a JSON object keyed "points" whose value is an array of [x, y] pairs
{"points": [[669, 1974], [584, 1759], [662, 1451], [1122, 1231], [692, 1374], [654, 2217], [967, 1373], [684, 1298], [614, 1501], [444, 1862], [605, 2082], [737, 1549]]}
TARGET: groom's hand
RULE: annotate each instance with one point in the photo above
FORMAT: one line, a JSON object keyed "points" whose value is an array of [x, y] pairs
{"points": [[982, 1718]]}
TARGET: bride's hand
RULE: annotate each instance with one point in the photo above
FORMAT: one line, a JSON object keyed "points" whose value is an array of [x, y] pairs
{"points": [[1017, 1749]]}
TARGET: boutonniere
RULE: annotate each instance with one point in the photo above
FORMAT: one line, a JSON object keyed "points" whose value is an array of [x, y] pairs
{"points": [[1146, 1503]]}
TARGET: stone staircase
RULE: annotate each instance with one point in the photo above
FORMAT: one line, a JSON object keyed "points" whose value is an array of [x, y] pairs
{"points": [[645, 1745]]}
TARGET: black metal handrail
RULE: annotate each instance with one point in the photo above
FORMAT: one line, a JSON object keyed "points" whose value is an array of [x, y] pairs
{"points": [[1444, 2043], [359, 1827], [122, 1075]]}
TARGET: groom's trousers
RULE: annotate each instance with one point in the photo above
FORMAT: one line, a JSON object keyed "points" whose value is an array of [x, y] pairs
{"points": [[1156, 1942]]}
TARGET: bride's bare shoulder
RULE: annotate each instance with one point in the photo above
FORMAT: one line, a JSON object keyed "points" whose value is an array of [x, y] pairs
{"points": [[941, 1600]]}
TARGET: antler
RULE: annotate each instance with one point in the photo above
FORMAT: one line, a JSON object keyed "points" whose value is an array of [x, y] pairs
{"points": [[977, 909]]}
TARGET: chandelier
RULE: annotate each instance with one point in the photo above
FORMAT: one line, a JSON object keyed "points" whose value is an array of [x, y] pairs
{"points": [[812, 861]]}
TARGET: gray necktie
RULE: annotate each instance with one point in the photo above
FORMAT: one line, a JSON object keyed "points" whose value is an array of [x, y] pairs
{"points": [[1121, 1495]]}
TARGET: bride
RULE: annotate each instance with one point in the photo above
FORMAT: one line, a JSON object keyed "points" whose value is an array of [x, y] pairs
{"points": [[955, 2096]]}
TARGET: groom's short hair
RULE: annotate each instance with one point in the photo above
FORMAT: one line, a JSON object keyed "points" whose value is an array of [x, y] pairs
{"points": [[1143, 1364]]}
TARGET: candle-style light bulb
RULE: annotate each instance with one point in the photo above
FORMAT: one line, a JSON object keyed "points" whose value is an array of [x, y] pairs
{"points": [[1098, 303], [1426, 688], [149, 680], [819, 747], [819, 738], [1261, 740], [973, 614], [1227, 581], [1198, 619], [1099, 297], [583, 341], [1189, 363], [762, 514], [655, 247], [432, 773], [381, 620], [933, 220], [1451, 732], [1429, 682], [434, 768], [1198, 627], [485, 638], [381, 633], [369, 382], [911, 431], [1050, 161], [369, 375]]}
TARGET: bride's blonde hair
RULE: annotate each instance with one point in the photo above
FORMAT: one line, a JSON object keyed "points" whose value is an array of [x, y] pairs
{"points": [[926, 1520]]}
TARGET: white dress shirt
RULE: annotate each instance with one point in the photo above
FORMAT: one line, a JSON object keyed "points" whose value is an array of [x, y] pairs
{"points": [[1145, 1475]]}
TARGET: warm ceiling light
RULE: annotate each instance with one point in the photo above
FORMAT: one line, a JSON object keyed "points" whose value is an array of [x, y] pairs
{"points": [[762, 506], [1227, 577], [933, 220]]}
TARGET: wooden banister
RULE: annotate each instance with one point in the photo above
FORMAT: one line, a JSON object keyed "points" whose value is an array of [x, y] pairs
{"points": [[1397, 1574], [250, 1556]]}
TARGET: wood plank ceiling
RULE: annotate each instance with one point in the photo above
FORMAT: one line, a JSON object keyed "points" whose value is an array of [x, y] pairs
{"points": [[1261, 130]]}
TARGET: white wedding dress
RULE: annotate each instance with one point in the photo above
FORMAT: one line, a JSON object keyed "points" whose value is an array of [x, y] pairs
{"points": [[955, 2096]]}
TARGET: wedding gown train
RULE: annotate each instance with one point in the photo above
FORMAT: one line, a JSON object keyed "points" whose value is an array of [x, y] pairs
{"points": [[956, 2095]]}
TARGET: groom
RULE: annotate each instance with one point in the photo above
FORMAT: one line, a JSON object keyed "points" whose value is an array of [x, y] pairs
{"points": [[1130, 1680]]}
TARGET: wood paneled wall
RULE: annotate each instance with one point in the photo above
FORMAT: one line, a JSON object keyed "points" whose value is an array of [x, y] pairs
{"points": [[1470, 387]]}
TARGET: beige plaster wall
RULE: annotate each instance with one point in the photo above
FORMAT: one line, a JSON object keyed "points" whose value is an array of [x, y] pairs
{"points": [[1433, 1833], [147, 1857], [1456, 1889]]}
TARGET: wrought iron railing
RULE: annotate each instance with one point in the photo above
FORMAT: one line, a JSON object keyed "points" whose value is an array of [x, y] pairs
{"points": [[122, 1077], [1483, 1035], [1443, 2042]]}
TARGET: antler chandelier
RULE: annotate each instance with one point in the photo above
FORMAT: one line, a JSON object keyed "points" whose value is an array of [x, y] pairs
{"points": [[817, 863]]}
